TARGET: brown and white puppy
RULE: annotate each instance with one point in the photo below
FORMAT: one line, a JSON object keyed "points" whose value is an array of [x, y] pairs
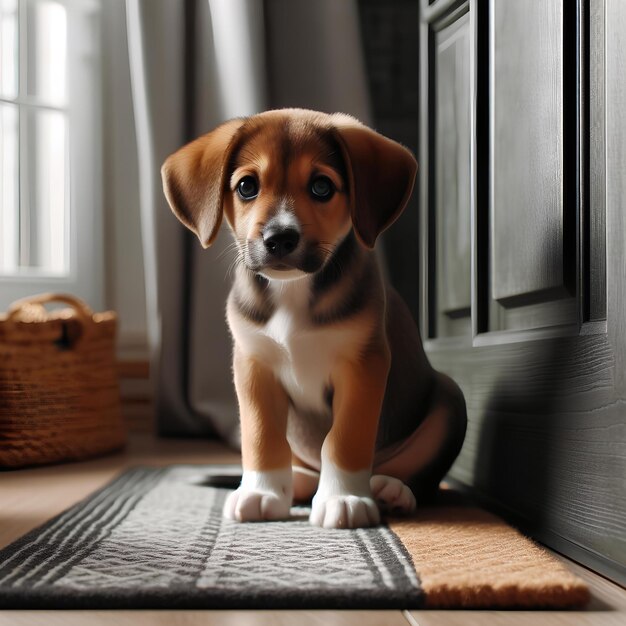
{"points": [[337, 399]]}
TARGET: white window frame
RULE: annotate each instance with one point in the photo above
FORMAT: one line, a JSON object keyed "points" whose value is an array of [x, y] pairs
{"points": [[85, 276]]}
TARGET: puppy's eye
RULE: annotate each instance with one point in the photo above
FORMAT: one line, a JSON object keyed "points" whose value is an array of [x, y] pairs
{"points": [[322, 188], [247, 188]]}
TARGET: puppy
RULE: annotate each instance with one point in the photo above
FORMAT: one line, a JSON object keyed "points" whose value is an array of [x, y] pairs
{"points": [[337, 399]]}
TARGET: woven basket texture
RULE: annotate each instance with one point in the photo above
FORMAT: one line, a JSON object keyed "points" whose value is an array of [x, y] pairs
{"points": [[59, 389]]}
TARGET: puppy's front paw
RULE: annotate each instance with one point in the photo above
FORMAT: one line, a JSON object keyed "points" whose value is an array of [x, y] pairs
{"points": [[392, 494], [254, 506], [261, 496], [344, 511]]}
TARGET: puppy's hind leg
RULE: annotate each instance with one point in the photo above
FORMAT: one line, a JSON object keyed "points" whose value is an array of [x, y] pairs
{"points": [[419, 464], [305, 480], [392, 495]]}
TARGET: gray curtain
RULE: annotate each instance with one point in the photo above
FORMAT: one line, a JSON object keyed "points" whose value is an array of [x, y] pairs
{"points": [[193, 65]]}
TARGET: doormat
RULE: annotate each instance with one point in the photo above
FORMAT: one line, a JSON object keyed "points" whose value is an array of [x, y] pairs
{"points": [[155, 538]]}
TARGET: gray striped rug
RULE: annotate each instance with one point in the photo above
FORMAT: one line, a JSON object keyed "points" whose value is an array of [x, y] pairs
{"points": [[155, 538]]}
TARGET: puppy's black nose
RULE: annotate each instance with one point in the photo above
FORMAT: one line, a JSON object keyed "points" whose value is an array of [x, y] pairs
{"points": [[281, 242]]}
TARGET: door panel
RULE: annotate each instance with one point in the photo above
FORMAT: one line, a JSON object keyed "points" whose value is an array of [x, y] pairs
{"points": [[543, 366], [452, 166], [532, 203], [527, 148]]}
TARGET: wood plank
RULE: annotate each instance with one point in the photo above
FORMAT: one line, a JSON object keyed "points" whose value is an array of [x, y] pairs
{"points": [[516, 618], [205, 618]]}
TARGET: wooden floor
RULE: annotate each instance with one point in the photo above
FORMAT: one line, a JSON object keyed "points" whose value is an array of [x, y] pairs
{"points": [[30, 497]]}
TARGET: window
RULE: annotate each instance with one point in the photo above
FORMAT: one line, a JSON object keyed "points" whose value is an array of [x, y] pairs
{"points": [[50, 155]]}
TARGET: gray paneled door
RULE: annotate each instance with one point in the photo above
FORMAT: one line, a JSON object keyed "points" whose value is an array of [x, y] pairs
{"points": [[523, 274]]}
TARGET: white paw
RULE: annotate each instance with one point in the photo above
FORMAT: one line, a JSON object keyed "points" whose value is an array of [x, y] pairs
{"points": [[344, 511], [255, 506], [261, 496], [343, 498], [392, 494]]}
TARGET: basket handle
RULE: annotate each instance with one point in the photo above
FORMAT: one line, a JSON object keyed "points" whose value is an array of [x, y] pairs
{"points": [[84, 313]]}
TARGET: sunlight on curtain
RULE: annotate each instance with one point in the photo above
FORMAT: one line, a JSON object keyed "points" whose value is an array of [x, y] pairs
{"points": [[239, 41]]}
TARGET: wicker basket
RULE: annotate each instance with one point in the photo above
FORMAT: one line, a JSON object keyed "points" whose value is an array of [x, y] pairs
{"points": [[59, 390]]}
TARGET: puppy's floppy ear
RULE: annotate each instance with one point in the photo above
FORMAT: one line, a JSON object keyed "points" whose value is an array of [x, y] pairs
{"points": [[194, 180], [381, 175]]}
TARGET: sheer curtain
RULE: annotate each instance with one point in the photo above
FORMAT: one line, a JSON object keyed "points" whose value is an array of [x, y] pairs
{"points": [[194, 64]]}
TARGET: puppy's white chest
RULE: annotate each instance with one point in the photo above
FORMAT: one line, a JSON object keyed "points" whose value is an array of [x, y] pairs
{"points": [[301, 353], [285, 329], [304, 354]]}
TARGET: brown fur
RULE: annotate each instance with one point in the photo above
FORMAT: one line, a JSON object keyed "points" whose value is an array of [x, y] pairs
{"points": [[372, 177]]}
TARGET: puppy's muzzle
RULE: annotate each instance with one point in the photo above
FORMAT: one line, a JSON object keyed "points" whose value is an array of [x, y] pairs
{"points": [[281, 246], [280, 242]]}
